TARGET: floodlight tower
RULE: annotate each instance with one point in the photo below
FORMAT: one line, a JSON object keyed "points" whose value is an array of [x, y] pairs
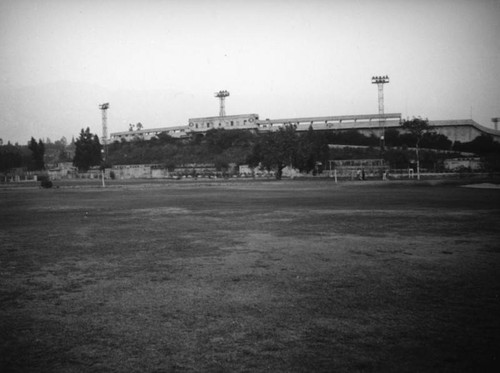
{"points": [[380, 81], [103, 108], [495, 122], [222, 97]]}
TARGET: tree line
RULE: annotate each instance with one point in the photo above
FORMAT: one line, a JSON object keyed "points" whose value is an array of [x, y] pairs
{"points": [[306, 151], [220, 147], [30, 156]]}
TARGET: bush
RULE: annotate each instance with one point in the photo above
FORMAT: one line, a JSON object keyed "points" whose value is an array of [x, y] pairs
{"points": [[45, 182]]}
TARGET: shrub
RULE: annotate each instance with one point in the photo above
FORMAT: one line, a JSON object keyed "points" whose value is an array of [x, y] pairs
{"points": [[45, 182]]}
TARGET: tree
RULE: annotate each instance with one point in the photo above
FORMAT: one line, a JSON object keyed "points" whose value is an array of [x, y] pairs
{"points": [[10, 157], [276, 150], [63, 156], [417, 128], [391, 137], [38, 151], [351, 137], [484, 146], [163, 138], [312, 150], [87, 151], [397, 158], [481, 145], [285, 147], [63, 142], [432, 140], [220, 140]]}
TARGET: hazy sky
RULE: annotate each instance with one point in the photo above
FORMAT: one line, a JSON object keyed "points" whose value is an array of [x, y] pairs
{"points": [[162, 61]]}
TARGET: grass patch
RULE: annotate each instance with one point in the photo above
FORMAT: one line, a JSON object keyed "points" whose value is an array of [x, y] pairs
{"points": [[245, 277]]}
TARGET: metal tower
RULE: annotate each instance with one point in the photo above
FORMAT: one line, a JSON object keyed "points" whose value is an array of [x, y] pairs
{"points": [[380, 81], [495, 122], [222, 97], [103, 108]]}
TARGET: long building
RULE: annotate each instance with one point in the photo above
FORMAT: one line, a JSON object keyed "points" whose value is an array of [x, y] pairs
{"points": [[463, 130], [148, 134], [242, 121]]}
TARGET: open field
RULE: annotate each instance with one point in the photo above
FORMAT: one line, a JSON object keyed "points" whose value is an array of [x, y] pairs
{"points": [[250, 277]]}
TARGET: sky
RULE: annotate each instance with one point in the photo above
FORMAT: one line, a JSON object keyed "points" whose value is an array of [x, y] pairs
{"points": [[159, 62]]}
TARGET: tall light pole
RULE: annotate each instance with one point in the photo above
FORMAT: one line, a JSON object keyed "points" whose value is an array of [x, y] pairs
{"points": [[103, 108], [380, 81], [222, 97]]}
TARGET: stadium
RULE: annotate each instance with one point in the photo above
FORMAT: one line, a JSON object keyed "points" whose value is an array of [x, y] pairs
{"points": [[463, 130]]}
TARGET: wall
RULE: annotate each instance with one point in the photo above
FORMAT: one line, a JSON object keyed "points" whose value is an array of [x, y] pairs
{"points": [[134, 171], [472, 163]]}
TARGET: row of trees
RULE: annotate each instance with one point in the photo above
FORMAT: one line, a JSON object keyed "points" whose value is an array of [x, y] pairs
{"points": [[286, 147], [30, 157], [273, 151], [307, 151], [14, 156]]}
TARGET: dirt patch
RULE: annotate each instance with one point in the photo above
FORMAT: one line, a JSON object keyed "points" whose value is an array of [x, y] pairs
{"points": [[483, 186]]}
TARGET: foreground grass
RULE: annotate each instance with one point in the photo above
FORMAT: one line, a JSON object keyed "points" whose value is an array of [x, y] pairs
{"points": [[244, 277]]}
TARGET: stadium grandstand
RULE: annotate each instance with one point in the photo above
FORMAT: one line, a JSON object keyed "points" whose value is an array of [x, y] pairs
{"points": [[463, 130]]}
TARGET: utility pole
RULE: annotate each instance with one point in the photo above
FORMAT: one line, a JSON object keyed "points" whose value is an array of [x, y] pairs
{"points": [[380, 81], [495, 123], [104, 108], [221, 95]]}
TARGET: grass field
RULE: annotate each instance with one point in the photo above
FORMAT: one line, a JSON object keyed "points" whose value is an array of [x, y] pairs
{"points": [[290, 276]]}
